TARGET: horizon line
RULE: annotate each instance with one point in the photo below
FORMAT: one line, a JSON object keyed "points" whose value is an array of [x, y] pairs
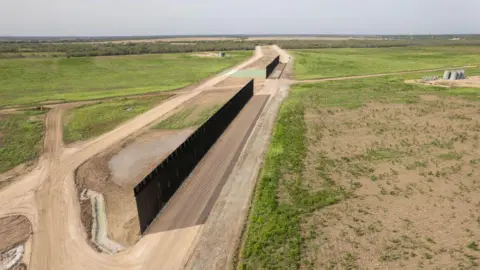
{"points": [[233, 35]]}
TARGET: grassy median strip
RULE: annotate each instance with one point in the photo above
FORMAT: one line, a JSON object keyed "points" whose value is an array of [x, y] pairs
{"points": [[325, 63], [20, 138], [34, 80], [188, 117], [89, 121]]}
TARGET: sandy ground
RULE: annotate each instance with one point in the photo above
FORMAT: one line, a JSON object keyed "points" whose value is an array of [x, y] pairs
{"points": [[413, 170], [14, 230], [146, 152], [206, 54], [269, 53], [48, 198], [7, 177], [471, 82]]}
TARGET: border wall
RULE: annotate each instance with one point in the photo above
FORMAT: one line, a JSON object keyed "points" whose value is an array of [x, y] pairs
{"points": [[156, 189], [271, 67]]}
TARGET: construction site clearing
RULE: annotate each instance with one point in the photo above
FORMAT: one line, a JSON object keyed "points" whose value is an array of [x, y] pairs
{"points": [[105, 182], [105, 170], [114, 173]]}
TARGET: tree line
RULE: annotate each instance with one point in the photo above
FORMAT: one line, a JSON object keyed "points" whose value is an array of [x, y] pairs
{"points": [[12, 49]]}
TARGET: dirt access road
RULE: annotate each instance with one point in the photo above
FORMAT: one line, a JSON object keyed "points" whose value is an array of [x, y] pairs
{"points": [[47, 197], [376, 75], [219, 238]]}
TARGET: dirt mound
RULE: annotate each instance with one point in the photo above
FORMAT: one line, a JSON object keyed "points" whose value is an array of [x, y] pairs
{"points": [[14, 230]]}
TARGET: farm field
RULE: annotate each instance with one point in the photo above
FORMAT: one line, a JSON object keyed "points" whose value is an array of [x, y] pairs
{"points": [[369, 173], [325, 63], [21, 134], [89, 121], [36, 80]]}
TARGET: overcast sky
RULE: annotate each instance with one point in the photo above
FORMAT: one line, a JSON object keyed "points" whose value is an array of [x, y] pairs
{"points": [[216, 17]]}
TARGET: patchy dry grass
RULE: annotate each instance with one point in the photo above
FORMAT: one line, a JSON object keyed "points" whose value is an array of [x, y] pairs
{"points": [[415, 195], [368, 174], [189, 117]]}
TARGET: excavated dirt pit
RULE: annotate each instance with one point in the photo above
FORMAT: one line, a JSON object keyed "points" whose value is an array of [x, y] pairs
{"points": [[414, 173], [115, 173], [14, 230]]}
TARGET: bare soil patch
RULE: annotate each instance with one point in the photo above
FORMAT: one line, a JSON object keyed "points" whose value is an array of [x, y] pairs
{"points": [[20, 267], [413, 171], [470, 82], [268, 55], [10, 176], [14, 230], [207, 54], [144, 154]]}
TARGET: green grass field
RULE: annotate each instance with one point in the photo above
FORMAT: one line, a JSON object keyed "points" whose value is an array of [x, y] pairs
{"points": [[34, 80], [189, 117], [325, 63], [89, 121], [20, 138], [274, 238]]}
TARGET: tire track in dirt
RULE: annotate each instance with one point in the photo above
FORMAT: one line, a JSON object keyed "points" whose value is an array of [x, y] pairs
{"points": [[53, 142]]}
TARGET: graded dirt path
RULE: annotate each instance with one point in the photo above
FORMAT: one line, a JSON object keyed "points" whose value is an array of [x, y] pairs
{"points": [[47, 197], [219, 238], [194, 200], [376, 75]]}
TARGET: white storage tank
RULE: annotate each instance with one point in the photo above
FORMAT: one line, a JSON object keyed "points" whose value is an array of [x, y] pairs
{"points": [[453, 75], [446, 74]]}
